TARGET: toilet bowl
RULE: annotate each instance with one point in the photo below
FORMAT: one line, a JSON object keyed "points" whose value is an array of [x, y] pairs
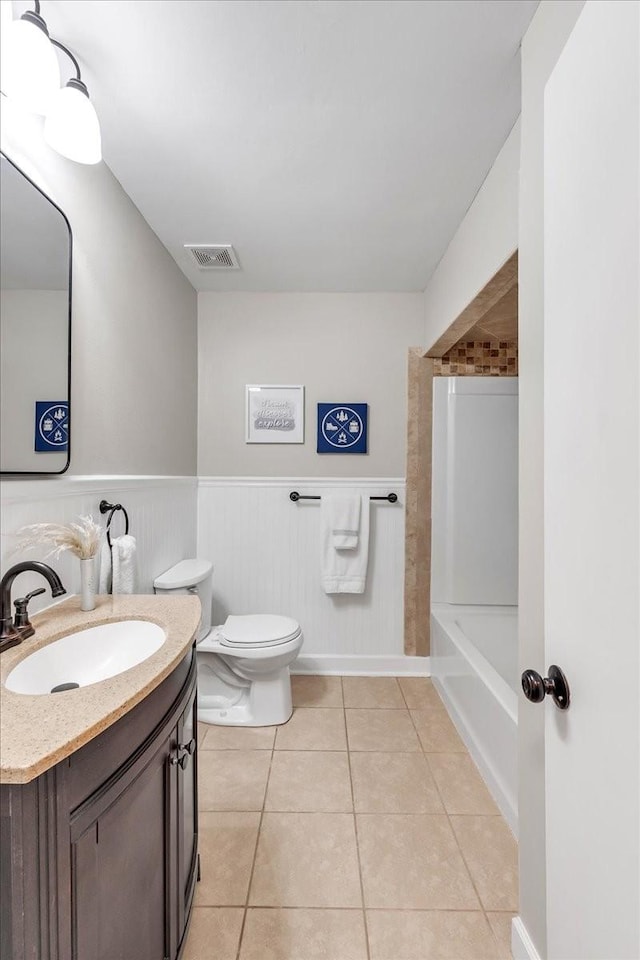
{"points": [[243, 664]]}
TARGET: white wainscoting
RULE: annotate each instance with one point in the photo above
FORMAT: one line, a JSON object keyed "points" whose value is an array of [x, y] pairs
{"points": [[265, 550], [266, 555], [162, 517]]}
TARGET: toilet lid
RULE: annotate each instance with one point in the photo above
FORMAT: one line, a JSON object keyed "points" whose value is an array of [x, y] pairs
{"points": [[258, 630]]}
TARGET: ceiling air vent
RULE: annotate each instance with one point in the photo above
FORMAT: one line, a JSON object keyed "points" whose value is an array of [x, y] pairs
{"points": [[219, 256]]}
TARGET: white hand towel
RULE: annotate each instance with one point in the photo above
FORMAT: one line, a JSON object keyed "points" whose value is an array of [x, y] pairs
{"points": [[104, 572], [124, 565], [343, 512], [344, 571]]}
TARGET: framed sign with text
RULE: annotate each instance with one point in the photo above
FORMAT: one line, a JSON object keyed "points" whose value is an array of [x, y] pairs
{"points": [[274, 414]]}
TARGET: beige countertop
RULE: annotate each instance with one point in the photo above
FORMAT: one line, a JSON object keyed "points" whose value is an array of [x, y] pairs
{"points": [[36, 732]]}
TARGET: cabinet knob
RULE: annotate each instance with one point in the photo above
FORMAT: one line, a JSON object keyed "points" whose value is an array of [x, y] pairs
{"points": [[179, 761], [189, 747], [555, 685]]}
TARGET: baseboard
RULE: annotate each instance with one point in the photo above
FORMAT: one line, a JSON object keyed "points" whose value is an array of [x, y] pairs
{"points": [[522, 946], [347, 664]]}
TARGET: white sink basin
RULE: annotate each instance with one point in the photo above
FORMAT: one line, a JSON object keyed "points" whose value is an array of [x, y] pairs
{"points": [[87, 656]]}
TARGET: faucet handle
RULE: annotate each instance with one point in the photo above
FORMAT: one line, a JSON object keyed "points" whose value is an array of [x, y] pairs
{"points": [[21, 618]]}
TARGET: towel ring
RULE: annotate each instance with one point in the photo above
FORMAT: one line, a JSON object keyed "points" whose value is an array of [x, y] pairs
{"points": [[111, 508]]}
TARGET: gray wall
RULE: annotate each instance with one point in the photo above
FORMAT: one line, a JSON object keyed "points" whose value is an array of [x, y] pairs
{"points": [[342, 346], [541, 47], [134, 348]]}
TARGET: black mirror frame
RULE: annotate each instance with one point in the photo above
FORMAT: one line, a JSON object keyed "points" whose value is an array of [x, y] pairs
{"points": [[51, 473]]}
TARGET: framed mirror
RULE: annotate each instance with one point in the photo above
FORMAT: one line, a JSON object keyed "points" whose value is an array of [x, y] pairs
{"points": [[35, 328]]}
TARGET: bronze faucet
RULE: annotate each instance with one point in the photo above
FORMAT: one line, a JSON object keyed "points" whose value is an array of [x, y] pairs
{"points": [[15, 631]]}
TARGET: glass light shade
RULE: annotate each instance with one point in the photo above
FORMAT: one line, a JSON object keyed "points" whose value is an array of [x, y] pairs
{"points": [[72, 126], [30, 75]]}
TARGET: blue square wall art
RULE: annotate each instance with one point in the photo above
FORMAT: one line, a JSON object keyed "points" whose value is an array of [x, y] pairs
{"points": [[342, 427], [51, 426]]}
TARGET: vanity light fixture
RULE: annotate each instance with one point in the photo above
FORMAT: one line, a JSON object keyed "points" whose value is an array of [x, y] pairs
{"points": [[31, 77], [30, 72], [72, 126]]}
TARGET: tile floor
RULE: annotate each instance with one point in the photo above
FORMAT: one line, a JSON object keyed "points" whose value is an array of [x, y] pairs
{"points": [[359, 830]]}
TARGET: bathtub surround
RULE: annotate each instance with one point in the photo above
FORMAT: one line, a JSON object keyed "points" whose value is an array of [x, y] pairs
{"points": [[474, 552], [474, 649]]}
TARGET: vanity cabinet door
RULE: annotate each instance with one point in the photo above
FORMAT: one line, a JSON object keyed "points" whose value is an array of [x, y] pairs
{"points": [[187, 832], [120, 875]]}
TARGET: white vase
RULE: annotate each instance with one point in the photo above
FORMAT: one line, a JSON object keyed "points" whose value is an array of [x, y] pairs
{"points": [[88, 584]]}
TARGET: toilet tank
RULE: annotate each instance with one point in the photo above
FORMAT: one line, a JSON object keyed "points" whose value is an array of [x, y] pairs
{"points": [[190, 576]]}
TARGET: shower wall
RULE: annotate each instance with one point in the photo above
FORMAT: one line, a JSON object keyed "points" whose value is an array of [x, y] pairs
{"points": [[475, 491]]}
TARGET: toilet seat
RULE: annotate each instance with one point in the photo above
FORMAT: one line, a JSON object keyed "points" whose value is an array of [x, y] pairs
{"points": [[252, 632]]}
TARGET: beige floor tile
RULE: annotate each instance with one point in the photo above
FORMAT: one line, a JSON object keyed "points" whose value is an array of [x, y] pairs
{"points": [[381, 730], [429, 935], [501, 925], [491, 853], [316, 691], [227, 843], [372, 692], [309, 780], [306, 860], [304, 935], [393, 783], [420, 693], [436, 731], [313, 729], [232, 779], [412, 862], [237, 738], [214, 934], [461, 787]]}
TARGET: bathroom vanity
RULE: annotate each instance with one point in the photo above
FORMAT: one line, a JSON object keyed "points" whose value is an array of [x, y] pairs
{"points": [[98, 843]]}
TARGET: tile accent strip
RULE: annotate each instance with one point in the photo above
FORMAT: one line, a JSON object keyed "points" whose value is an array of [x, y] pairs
{"points": [[479, 358]]}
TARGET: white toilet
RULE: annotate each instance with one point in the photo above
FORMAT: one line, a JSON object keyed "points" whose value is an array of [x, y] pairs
{"points": [[243, 665]]}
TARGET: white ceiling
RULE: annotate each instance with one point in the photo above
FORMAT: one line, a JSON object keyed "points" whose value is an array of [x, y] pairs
{"points": [[337, 144]]}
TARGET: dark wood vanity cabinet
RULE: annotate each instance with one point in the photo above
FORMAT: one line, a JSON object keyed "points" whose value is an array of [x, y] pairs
{"points": [[99, 854]]}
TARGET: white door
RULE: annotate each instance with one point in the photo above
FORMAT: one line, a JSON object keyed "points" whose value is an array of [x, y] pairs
{"points": [[592, 486]]}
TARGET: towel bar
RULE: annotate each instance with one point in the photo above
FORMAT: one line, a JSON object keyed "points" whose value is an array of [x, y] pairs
{"points": [[295, 496]]}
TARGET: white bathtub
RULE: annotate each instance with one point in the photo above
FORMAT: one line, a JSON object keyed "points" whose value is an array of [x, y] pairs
{"points": [[474, 664]]}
